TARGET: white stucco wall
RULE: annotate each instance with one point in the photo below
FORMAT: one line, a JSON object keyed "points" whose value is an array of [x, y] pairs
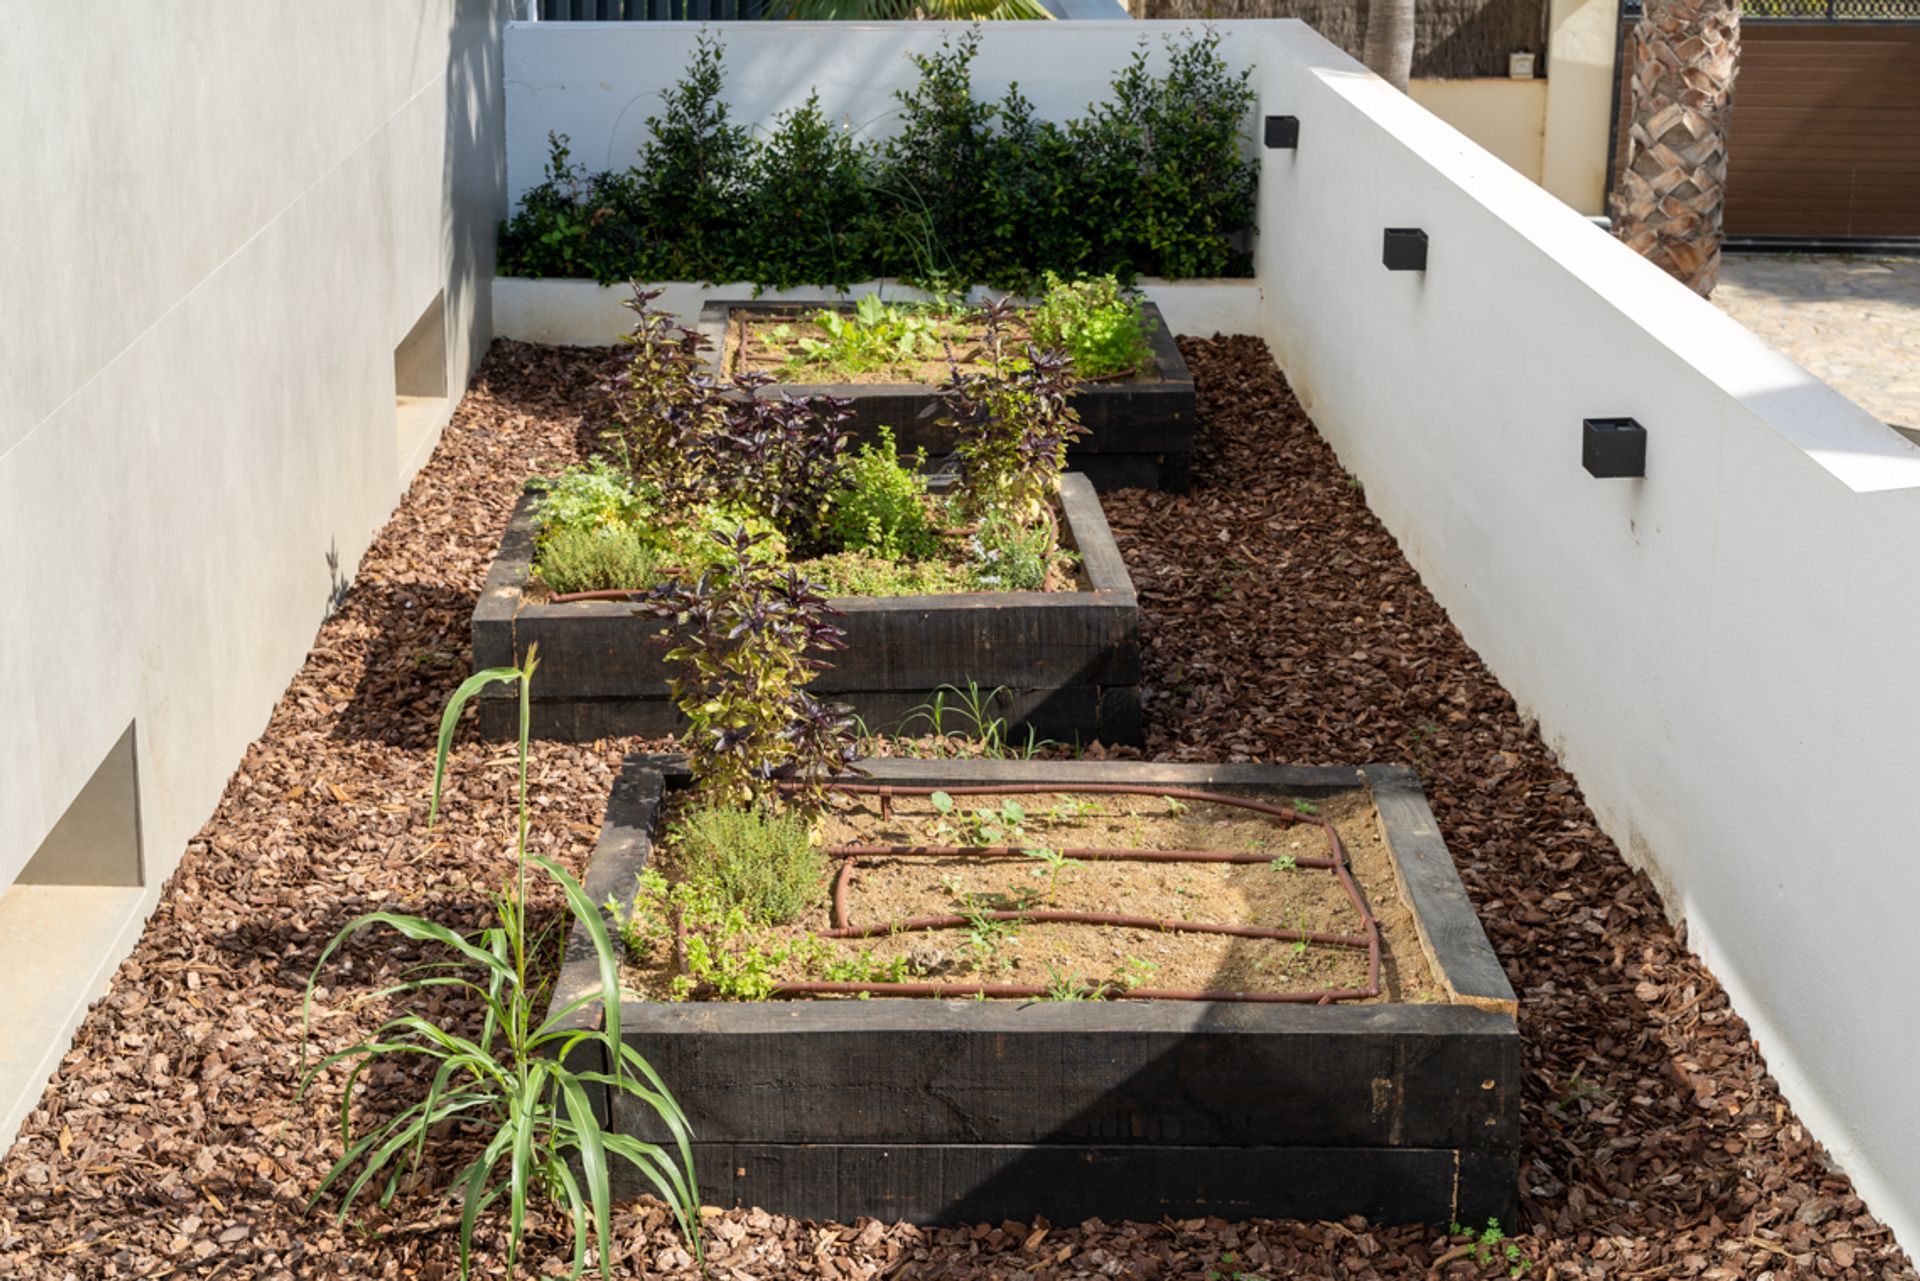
{"points": [[1720, 652], [216, 223]]}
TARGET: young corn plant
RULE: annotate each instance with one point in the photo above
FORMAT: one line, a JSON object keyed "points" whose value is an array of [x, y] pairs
{"points": [[515, 1080]]}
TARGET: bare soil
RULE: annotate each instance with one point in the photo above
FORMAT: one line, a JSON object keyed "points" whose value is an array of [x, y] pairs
{"points": [[1083, 959], [173, 1142]]}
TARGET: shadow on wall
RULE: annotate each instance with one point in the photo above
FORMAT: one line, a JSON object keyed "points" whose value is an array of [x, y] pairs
{"points": [[474, 180]]}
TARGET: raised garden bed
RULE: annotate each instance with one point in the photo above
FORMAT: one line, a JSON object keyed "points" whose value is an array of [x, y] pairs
{"points": [[1139, 428], [1069, 661], [938, 1110]]}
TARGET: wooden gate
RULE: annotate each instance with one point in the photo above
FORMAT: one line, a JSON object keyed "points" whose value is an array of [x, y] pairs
{"points": [[1825, 141]]}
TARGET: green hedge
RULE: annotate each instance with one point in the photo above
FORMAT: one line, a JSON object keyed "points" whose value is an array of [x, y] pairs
{"points": [[1152, 181]]}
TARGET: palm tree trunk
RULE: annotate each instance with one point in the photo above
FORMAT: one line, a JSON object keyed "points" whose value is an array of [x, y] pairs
{"points": [[1668, 202], [1388, 51]]}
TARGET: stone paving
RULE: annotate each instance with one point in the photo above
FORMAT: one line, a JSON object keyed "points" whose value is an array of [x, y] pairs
{"points": [[1853, 322]]}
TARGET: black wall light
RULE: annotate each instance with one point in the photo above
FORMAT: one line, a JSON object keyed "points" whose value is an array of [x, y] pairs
{"points": [[1405, 249], [1612, 447], [1283, 133]]}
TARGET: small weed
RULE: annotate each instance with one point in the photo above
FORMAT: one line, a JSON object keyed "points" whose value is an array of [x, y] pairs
{"points": [[1052, 863], [1176, 807], [1228, 1269], [1303, 807], [1577, 1090], [1069, 986], [1134, 972], [1283, 863], [1490, 1245]]}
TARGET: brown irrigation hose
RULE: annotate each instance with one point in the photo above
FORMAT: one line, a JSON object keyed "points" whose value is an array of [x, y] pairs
{"points": [[1058, 916], [848, 855], [1090, 854], [1306, 996]]}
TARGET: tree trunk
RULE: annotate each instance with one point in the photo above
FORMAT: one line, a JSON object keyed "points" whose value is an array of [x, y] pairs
{"points": [[1388, 51], [1668, 202]]}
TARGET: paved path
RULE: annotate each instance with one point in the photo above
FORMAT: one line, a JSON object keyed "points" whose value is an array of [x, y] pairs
{"points": [[1853, 322]]}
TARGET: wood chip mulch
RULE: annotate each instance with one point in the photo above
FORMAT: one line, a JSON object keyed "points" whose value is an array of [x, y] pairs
{"points": [[1283, 625]]}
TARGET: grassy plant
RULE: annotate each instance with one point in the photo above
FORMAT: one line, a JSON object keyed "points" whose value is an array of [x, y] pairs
{"points": [[1100, 325], [616, 558], [1068, 986], [512, 1080], [762, 862], [968, 713]]}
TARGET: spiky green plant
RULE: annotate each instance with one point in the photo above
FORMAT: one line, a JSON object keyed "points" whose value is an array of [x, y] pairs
{"points": [[515, 1081]]}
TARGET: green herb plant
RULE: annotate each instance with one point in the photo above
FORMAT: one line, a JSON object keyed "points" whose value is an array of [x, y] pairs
{"points": [[1098, 323], [1052, 862], [510, 1081], [881, 505]]}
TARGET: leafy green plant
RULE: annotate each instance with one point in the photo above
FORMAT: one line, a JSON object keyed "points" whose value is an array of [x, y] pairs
{"points": [[764, 863], [740, 679], [881, 505], [512, 1081], [572, 559], [1003, 824], [1134, 972], [1096, 322], [937, 161], [875, 335], [589, 496]]}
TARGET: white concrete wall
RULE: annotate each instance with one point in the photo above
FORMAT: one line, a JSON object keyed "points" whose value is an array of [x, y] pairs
{"points": [[216, 223], [1722, 651], [581, 313]]}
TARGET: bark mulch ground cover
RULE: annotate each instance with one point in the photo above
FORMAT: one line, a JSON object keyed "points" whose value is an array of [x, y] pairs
{"points": [[1284, 625]]}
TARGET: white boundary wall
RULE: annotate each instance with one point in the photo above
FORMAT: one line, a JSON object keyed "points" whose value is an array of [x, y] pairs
{"points": [[580, 313], [216, 224], [1721, 652]]}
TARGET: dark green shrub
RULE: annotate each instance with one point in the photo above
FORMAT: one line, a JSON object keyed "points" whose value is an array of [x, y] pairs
{"points": [[1151, 181], [935, 170], [764, 863], [1037, 205], [809, 215], [881, 506], [694, 184]]}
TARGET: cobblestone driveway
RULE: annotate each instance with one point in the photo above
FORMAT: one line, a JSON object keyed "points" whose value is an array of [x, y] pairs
{"points": [[1853, 322]]}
